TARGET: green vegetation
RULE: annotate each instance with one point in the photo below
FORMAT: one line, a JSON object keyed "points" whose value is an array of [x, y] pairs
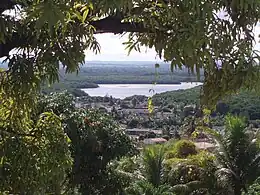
{"points": [[219, 172], [67, 149], [69, 85], [96, 149], [55, 34], [186, 97], [244, 103], [49, 146], [238, 155], [182, 149]]}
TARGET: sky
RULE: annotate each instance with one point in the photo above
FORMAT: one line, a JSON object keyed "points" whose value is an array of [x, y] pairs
{"points": [[112, 49]]}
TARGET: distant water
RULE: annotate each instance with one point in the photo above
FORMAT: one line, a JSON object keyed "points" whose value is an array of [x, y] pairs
{"points": [[125, 90]]}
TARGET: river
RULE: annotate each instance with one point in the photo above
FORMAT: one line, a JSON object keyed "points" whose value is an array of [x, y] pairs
{"points": [[125, 90]]}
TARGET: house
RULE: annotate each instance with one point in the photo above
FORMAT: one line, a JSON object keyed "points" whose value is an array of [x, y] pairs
{"points": [[136, 131], [139, 111], [205, 146], [150, 141]]}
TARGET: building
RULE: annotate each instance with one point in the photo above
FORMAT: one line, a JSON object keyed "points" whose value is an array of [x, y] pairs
{"points": [[137, 131], [150, 141]]}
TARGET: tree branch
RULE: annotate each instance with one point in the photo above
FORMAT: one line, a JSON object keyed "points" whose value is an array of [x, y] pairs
{"points": [[110, 24], [113, 24]]}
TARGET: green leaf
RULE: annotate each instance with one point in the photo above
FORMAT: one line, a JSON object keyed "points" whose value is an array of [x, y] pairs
{"points": [[85, 14]]}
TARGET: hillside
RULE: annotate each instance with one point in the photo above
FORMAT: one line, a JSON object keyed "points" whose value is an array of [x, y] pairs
{"points": [[244, 103]]}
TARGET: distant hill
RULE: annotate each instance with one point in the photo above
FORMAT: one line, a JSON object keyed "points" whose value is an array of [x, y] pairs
{"points": [[244, 103]]}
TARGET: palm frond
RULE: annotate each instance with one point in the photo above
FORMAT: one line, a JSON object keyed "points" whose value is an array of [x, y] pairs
{"points": [[187, 188], [153, 157]]}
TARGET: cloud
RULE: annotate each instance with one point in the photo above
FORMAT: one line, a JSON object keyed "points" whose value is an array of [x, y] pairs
{"points": [[112, 49]]}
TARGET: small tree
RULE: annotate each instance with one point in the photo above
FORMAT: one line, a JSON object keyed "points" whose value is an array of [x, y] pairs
{"points": [[238, 155], [96, 140]]}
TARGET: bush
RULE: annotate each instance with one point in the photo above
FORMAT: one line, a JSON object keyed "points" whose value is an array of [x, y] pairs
{"points": [[182, 149], [254, 189], [198, 167]]}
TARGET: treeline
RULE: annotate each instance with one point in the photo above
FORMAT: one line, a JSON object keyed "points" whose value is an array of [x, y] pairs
{"points": [[72, 86], [244, 103]]}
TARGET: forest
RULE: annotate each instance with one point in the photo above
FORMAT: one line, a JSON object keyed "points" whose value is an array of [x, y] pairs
{"points": [[49, 144]]}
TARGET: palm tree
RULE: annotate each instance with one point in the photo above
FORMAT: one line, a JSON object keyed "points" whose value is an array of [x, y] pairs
{"points": [[238, 155], [146, 188], [150, 177], [152, 164]]}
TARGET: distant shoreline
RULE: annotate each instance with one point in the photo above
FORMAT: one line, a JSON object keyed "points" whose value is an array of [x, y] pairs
{"points": [[141, 83], [137, 83], [122, 91]]}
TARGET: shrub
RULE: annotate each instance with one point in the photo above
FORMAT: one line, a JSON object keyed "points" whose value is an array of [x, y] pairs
{"points": [[254, 189], [182, 149], [198, 167]]}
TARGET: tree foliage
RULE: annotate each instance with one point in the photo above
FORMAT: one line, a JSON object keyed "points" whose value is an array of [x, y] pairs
{"points": [[96, 141], [37, 160], [47, 34]]}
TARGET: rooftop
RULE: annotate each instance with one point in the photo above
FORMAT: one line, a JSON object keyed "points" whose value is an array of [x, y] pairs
{"points": [[156, 131]]}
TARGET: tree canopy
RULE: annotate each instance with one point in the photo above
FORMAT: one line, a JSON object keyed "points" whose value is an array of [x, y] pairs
{"points": [[193, 34]]}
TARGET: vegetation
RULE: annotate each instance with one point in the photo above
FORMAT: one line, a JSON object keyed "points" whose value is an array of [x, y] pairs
{"points": [[182, 149], [238, 155], [201, 172], [48, 146], [244, 103], [66, 149], [186, 97], [98, 157], [94, 73]]}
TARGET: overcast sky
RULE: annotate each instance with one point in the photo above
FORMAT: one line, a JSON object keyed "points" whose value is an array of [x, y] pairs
{"points": [[112, 49]]}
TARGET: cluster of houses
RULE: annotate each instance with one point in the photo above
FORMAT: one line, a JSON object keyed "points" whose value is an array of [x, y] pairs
{"points": [[129, 108]]}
